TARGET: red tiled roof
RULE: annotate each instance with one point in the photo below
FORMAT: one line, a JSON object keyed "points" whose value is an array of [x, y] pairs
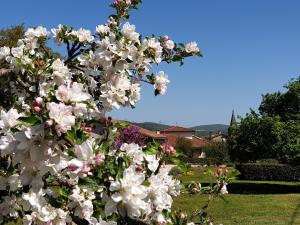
{"points": [[149, 133], [178, 129], [196, 141], [171, 139]]}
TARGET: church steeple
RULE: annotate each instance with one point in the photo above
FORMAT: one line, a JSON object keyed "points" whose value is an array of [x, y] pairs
{"points": [[233, 122]]}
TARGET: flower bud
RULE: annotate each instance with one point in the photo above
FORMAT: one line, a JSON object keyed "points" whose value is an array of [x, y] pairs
{"points": [[88, 129], [72, 167], [118, 2], [99, 159], [139, 168], [182, 215], [172, 151], [49, 123], [86, 168], [37, 109], [165, 38], [39, 101]]}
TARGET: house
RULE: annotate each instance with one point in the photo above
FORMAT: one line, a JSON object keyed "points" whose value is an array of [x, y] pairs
{"points": [[151, 135], [198, 144], [179, 131]]}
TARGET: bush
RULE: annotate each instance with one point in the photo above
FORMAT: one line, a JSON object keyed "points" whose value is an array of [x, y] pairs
{"points": [[275, 172], [184, 145], [175, 171], [268, 161], [217, 151], [203, 161]]}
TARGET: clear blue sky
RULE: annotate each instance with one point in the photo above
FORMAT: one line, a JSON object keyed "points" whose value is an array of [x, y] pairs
{"points": [[249, 47]]}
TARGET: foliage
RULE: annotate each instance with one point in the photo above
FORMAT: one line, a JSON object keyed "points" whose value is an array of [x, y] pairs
{"points": [[200, 161], [273, 133], [10, 36], [175, 171], [269, 172], [184, 145], [286, 105], [130, 135], [253, 139], [217, 151]]}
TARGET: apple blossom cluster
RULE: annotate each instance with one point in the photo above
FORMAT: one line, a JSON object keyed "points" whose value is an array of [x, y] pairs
{"points": [[58, 163]]}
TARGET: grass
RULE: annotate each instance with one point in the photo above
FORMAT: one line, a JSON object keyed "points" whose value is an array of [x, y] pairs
{"points": [[244, 209]]}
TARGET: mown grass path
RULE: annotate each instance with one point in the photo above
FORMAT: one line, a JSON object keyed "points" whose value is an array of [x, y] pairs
{"points": [[245, 209]]}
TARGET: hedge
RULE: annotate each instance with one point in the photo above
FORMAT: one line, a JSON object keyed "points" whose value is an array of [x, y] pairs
{"points": [[255, 188], [201, 161], [275, 172]]}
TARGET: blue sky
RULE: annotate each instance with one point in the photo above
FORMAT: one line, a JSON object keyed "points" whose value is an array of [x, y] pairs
{"points": [[249, 47]]}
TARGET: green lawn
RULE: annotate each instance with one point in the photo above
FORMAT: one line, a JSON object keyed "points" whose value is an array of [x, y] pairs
{"points": [[244, 209]]}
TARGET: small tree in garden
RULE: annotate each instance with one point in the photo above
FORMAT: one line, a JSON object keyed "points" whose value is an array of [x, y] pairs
{"points": [[54, 169], [274, 132], [130, 135], [184, 145]]}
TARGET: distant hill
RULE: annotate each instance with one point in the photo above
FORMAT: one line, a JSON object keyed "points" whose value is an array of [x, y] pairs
{"points": [[211, 127], [205, 130], [202, 130], [151, 126]]}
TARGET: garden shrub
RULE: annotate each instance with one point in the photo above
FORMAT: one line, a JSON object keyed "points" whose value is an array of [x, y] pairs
{"points": [[270, 172]]}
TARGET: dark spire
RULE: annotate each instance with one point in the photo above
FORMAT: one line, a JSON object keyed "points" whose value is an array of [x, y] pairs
{"points": [[233, 122]]}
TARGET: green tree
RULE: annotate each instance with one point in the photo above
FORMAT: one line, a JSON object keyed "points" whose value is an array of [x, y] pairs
{"points": [[8, 37], [217, 151], [252, 139], [274, 132], [286, 105], [184, 145]]}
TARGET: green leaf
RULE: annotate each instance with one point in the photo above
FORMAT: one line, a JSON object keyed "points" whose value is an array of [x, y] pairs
{"points": [[180, 164], [30, 121], [121, 125], [89, 183]]}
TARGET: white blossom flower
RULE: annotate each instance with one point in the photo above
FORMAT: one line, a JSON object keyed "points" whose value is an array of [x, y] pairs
{"points": [[18, 51], [84, 151], [134, 151], [60, 71], [152, 162], [224, 190], [80, 110], [102, 29], [161, 81], [14, 182], [55, 32], [114, 92], [83, 35], [135, 93], [155, 45], [128, 31], [4, 52], [191, 47], [74, 93], [32, 33], [169, 44], [132, 195], [9, 119], [62, 115]]}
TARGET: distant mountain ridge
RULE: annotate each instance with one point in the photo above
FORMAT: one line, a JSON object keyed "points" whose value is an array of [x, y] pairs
{"points": [[205, 130], [151, 126], [211, 127], [201, 130]]}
